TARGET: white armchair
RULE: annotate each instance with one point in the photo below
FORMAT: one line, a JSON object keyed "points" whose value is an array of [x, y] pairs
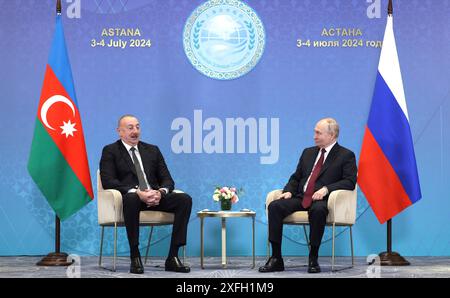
{"points": [[341, 212], [110, 214]]}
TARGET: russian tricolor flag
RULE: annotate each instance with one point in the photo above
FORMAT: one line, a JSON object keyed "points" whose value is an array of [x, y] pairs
{"points": [[387, 166]]}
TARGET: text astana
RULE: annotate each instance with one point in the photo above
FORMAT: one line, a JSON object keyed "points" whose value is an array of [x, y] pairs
{"points": [[119, 32]]}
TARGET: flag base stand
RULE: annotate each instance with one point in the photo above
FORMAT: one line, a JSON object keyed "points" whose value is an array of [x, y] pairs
{"points": [[392, 259], [55, 259], [389, 257]]}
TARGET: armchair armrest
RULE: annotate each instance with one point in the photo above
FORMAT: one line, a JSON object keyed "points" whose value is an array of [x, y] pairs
{"points": [[272, 196], [342, 207], [109, 206]]}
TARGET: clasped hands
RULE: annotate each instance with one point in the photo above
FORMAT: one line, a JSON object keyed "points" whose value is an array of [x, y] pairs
{"points": [[317, 196], [150, 197]]}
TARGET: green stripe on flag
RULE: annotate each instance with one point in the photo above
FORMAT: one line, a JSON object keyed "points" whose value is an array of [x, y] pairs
{"points": [[53, 175]]}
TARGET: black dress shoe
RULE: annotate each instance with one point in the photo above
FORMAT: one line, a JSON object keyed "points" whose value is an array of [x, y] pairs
{"points": [[136, 266], [273, 264], [174, 264], [313, 266]]}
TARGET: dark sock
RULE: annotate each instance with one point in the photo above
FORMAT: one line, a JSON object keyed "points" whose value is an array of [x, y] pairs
{"points": [[134, 252], [314, 253], [276, 250], [173, 252]]}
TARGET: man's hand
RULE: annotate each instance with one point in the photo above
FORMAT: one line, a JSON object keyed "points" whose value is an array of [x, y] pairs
{"points": [[157, 197], [286, 195], [320, 194], [142, 194], [154, 197], [149, 196]]}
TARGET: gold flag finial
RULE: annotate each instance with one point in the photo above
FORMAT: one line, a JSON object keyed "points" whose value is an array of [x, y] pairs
{"points": [[58, 7]]}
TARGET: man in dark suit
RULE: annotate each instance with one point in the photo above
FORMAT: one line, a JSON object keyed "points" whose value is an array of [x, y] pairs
{"points": [[139, 172], [321, 170]]}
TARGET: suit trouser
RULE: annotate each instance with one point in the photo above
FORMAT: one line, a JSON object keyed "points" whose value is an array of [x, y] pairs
{"points": [[178, 203], [317, 215]]}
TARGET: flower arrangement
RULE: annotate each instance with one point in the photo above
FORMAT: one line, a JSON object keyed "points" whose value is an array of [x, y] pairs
{"points": [[226, 196]]}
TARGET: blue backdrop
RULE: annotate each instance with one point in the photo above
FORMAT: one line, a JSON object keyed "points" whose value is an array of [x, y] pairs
{"points": [[290, 86]]}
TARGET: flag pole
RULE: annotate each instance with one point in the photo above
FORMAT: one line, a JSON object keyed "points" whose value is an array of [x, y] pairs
{"points": [[390, 258], [56, 258]]}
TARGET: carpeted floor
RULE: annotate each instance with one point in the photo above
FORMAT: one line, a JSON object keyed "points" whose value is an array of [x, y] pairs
{"points": [[238, 267]]}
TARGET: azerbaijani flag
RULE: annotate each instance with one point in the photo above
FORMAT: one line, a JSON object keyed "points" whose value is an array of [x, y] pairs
{"points": [[387, 164], [58, 161]]}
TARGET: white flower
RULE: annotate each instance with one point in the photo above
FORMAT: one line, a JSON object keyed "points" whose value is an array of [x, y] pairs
{"points": [[226, 193]]}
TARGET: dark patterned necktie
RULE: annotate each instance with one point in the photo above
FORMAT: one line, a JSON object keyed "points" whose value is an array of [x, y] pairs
{"points": [[307, 197]]}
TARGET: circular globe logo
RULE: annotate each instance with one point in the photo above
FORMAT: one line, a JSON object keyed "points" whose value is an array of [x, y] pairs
{"points": [[224, 39]]}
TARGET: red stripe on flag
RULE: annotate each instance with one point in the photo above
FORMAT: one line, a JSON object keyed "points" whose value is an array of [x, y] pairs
{"points": [[379, 182], [72, 147]]}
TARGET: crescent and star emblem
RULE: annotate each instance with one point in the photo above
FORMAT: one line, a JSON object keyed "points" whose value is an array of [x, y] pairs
{"points": [[67, 128]]}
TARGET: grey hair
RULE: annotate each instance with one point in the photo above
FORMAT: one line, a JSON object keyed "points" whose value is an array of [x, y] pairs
{"points": [[124, 116], [332, 126]]}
